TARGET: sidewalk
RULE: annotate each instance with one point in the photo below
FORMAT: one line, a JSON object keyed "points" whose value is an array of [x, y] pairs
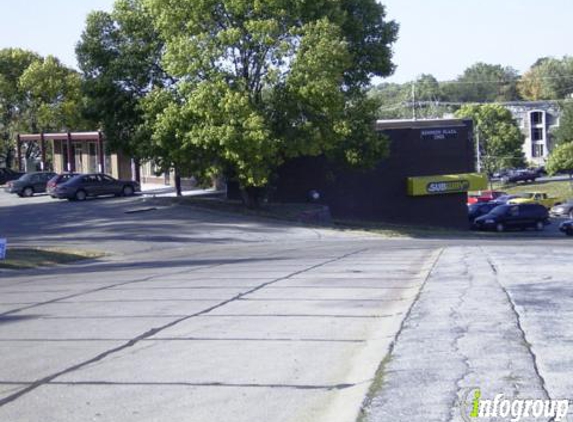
{"points": [[485, 319], [157, 190]]}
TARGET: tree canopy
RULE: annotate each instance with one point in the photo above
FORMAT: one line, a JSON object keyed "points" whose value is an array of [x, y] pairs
{"points": [[548, 79], [36, 94], [561, 159], [564, 132], [483, 83], [500, 139], [262, 81], [119, 54]]}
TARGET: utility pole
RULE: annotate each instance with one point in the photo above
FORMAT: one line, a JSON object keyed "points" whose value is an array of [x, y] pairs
{"points": [[414, 100], [478, 152]]}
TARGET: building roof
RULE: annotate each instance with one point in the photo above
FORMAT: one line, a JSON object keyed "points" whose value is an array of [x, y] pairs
{"points": [[420, 124], [73, 136]]}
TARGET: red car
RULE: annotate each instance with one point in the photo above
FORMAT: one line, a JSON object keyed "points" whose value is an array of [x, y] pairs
{"points": [[56, 180], [483, 196]]}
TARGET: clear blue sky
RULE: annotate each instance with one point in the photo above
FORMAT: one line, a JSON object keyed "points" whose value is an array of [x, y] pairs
{"points": [[441, 37]]}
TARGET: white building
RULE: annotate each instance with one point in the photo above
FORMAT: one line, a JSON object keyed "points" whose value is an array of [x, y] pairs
{"points": [[536, 119]]}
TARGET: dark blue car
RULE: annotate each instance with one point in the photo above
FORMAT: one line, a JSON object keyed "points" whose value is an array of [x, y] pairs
{"points": [[479, 209]]}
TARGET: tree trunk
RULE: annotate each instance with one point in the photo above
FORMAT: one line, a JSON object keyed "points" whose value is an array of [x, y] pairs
{"points": [[178, 182], [250, 197]]}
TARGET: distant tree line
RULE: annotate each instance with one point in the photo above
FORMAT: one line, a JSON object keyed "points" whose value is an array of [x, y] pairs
{"points": [[426, 97]]}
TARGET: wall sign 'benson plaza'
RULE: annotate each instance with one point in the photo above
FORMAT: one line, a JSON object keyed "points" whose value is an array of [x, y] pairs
{"points": [[436, 134], [447, 183]]}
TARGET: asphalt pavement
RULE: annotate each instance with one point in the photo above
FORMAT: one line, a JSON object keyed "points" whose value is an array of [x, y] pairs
{"points": [[200, 316]]}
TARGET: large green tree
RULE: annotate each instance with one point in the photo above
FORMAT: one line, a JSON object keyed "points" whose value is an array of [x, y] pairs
{"points": [[13, 64], [500, 139], [561, 159], [548, 79], [262, 81], [119, 54], [36, 94], [483, 83], [564, 132], [53, 98]]}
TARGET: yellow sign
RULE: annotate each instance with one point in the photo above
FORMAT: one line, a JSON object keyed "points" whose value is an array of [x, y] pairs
{"points": [[447, 183]]}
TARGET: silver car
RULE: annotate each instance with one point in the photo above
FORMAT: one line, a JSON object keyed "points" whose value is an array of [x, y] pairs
{"points": [[562, 210]]}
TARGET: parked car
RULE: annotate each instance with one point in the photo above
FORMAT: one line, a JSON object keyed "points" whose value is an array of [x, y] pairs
{"points": [[479, 209], [83, 186], [501, 173], [537, 198], [540, 171], [567, 227], [503, 199], [483, 196], [563, 210], [521, 216], [58, 179], [8, 174], [520, 176], [29, 184]]}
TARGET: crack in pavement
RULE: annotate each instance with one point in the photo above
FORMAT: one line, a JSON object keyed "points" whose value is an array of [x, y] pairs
{"points": [[528, 345], [381, 369], [327, 387]]}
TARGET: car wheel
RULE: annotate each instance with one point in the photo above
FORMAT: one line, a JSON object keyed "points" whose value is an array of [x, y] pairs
{"points": [[28, 192], [499, 227], [127, 191], [80, 195], [569, 232], [539, 226]]}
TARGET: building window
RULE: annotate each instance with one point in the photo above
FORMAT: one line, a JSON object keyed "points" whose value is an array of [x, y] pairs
{"points": [[537, 150], [536, 118], [537, 134]]}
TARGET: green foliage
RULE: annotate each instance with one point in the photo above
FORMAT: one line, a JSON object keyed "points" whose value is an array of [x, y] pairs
{"points": [[13, 63], [547, 79], [483, 83], [53, 93], [426, 97], [564, 132], [561, 159], [119, 55], [36, 95], [500, 139], [262, 81]]}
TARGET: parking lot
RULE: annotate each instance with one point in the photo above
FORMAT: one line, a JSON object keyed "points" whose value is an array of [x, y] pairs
{"points": [[204, 316]]}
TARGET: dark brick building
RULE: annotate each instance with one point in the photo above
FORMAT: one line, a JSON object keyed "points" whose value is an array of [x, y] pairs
{"points": [[418, 148]]}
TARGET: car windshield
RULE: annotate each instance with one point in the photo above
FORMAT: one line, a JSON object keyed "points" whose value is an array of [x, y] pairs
{"points": [[501, 210]]}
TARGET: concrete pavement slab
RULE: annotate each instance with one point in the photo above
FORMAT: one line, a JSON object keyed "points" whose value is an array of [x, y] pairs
{"points": [[114, 309], [152, 403], [142, 294], [293, 328], [7, 389], [231, 362], [41, 328], [28, 361]]}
